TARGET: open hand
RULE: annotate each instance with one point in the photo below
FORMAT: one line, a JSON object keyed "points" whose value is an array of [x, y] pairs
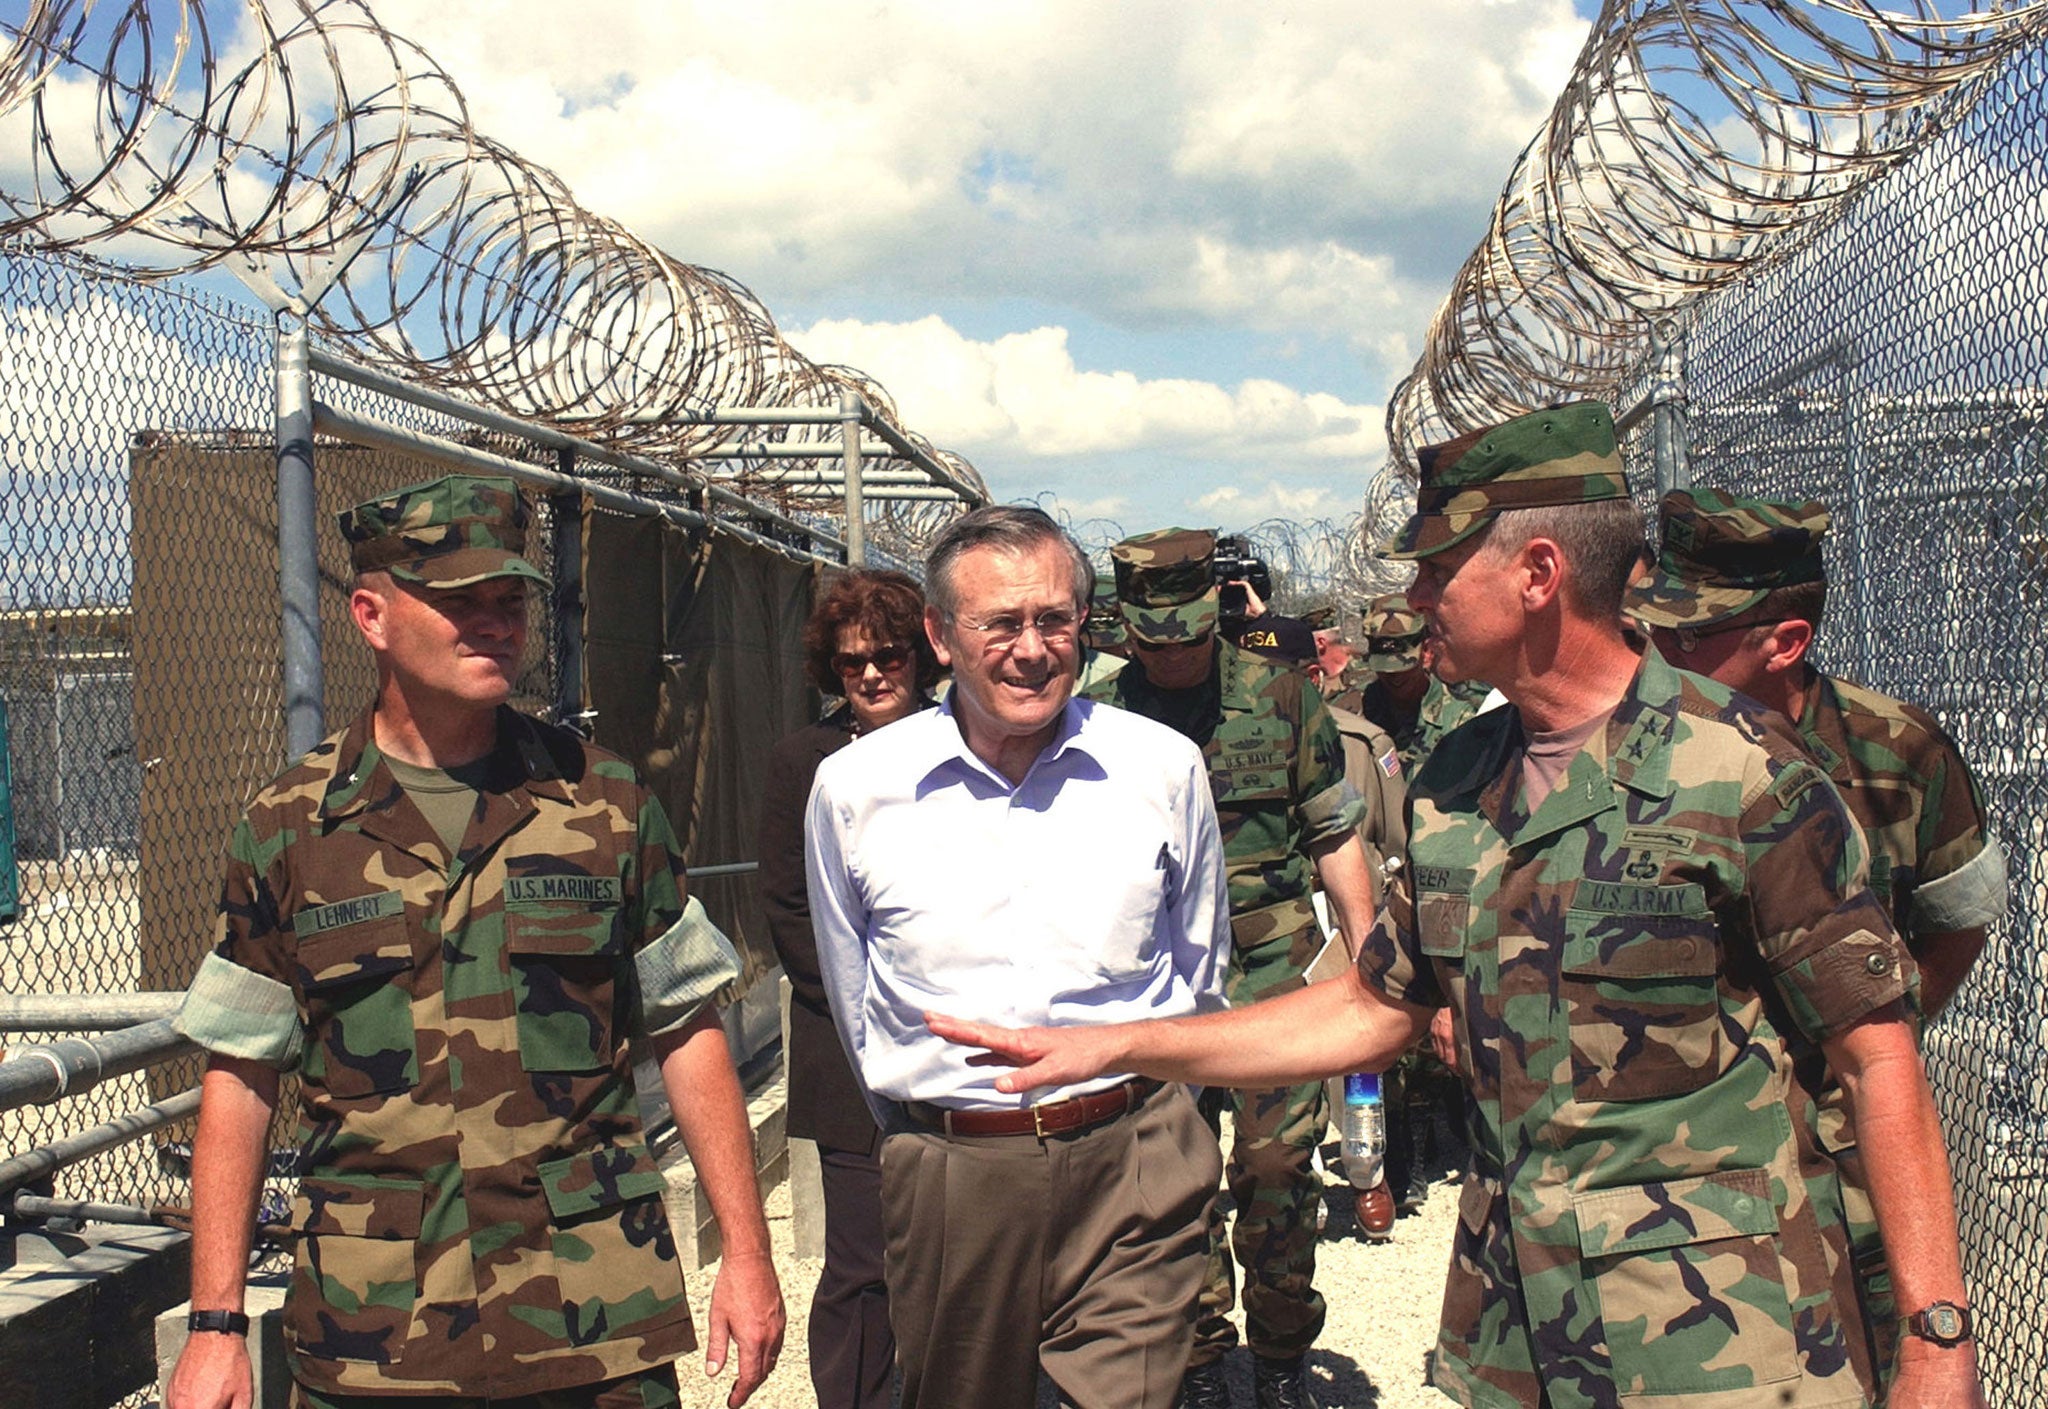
{"points": [[1043, 1056], [746, 1306]]}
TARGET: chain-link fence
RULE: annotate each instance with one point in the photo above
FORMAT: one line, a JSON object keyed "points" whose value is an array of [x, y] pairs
{"points": [[1894, 364], [142, 679]]}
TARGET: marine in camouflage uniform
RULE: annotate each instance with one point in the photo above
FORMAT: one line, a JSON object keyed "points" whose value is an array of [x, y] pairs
{"points": [[1737, 593], [477, 1211], [1276, 765], [1651, 1219]]}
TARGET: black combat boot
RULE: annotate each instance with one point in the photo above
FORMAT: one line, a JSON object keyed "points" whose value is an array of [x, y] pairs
{"points": [[1203, 1387], [1281, 1384]]}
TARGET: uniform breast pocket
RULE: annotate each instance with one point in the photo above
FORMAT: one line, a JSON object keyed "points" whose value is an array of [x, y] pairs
{"points": [[1643, 994], [357, 981], [565, 965]]}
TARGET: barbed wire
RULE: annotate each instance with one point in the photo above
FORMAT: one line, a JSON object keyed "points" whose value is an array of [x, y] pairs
{"points": [[468, 267], [1314, 562], [1693, 137]]}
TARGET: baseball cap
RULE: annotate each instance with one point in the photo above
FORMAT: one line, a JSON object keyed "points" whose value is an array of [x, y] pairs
{"points": [[1165, 584], [1721, 554], [448, 532], [1563, 455]]}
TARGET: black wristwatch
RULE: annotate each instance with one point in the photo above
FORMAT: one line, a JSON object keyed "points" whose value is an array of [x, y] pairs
{"points": [[232, 1323], [1942, 1322]]}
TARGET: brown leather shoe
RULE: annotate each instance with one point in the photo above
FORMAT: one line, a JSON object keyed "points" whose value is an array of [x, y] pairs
{"points": [[1376, 1213]]}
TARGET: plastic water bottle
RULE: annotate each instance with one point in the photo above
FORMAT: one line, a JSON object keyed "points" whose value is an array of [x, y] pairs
{"points": [[1364, 1129]]}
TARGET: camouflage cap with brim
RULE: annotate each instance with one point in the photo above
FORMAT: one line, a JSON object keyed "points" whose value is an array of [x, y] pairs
{"points": [[1722, 554], [1393, 635], [1165, 584], [1564, 455], [454, 531]]}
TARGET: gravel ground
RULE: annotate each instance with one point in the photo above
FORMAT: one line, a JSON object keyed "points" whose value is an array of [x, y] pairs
{"points": [[1384, 1303]]}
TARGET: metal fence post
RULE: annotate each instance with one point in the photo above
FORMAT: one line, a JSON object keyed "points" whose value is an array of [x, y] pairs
{"points": [[1668, 438], [1847, 384], [298, 559], [566, 515], [849, 443]]}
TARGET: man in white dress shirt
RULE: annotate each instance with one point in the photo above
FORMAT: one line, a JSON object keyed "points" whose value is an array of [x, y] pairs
{"points": [[1041, 860]]}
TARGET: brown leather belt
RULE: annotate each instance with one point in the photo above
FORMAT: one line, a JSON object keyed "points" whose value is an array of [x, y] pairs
{"points": [[1052, 1118]]}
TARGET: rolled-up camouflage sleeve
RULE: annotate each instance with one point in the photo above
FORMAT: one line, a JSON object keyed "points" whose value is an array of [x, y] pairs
{"points": [[1330, 808], [1821, 931], [681, 958], [1961, 882], [1391, 959], [241, 1003]]}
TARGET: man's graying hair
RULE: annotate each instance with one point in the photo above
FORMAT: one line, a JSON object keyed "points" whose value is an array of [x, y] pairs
{"points": [[1602, 541], [1009, 528]]}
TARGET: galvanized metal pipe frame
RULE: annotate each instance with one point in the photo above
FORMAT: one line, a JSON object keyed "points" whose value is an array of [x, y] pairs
{"points": [[342, 370], [298, 558], [84, 1012], [75, 1149], [41, 1074], [849, 438], [899, 444], [88, 1211]]}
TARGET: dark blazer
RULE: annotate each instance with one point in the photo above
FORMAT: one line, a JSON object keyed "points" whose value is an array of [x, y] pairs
{"points": [[824, 1099]]}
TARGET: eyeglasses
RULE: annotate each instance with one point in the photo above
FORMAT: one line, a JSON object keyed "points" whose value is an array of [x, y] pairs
{"points": [[885, 660], [1004, 631]]}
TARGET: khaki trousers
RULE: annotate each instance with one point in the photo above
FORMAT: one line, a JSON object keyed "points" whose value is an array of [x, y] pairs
{"points": [[1081, 1254]]}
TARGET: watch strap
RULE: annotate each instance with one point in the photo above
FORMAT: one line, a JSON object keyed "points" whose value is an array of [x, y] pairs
{"points": [[233, 1323]]}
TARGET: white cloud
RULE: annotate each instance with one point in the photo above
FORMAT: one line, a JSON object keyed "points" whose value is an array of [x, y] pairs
{"points": [[1023, 394], [1200, 159], [1276, 500]]}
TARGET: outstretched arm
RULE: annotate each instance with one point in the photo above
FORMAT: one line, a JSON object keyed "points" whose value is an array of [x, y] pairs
{"points": [[711, 1115], [1318, 1031]]}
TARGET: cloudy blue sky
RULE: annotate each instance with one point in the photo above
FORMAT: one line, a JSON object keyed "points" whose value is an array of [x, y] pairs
{"points": [[1165, 259]]}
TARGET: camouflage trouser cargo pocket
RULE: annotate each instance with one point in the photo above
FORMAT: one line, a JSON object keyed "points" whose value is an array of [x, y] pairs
{"points": [[565, 961], [1689, 1283], [1644, 1000], [354, 1276], [612, 1252], [357, 982]]}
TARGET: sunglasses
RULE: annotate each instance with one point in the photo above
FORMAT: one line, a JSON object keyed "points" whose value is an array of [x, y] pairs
{"points": [[885, 660]]}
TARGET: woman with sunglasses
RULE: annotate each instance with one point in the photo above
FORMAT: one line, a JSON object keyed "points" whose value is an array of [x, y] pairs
{"points": [[865, 643]]}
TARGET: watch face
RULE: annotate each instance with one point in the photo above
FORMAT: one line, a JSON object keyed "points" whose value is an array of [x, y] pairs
{"points": [[1945, 1322]]}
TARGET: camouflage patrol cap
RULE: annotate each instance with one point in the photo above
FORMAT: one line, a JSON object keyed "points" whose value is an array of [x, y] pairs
{"points": [[1287, 639], [1722, 553], [1165, 582], [1393, 635], [1564, 455], [448, 532]]}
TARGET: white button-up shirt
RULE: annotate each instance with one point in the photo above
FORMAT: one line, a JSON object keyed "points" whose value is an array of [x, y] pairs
{"points": [[1091, 892]]}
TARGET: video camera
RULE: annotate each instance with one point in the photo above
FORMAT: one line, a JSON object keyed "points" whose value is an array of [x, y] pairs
{"points": [[1234, 565]]}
